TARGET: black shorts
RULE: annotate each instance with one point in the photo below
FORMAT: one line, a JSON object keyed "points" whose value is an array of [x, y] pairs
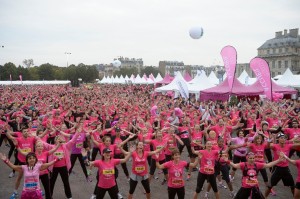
{"points": [[253, 193], [282, 173], [297, 186]]}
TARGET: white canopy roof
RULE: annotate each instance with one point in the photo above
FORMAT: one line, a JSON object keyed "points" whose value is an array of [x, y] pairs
{"points": [[289, 79], [213, 78]]}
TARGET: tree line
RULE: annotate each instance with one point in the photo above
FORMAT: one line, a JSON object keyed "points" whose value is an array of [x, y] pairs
{"points": [[88, 73]]}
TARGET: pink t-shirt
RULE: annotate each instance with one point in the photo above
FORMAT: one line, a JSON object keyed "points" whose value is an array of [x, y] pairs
{"points": [[292, 132], [116, 142], [259, 151], [171, 144], [157, 145], [26, 145], [298, 168], [185, 131], [250, 180], [175, 171], [197, 137], [286, 150], [59, 153], [207, 163], [106, 172], [31, 177], [42, 158], [139, 164]]}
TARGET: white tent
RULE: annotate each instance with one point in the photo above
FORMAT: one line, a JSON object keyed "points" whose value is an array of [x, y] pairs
{"points": [[213, 78], [122, 80], [139, 80], [289, 79], [172, 86], [244, 78], [199, 83], [158, 78]]}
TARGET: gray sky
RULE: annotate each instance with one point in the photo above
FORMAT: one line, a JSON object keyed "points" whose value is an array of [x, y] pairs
{"points": [[97, 31]]}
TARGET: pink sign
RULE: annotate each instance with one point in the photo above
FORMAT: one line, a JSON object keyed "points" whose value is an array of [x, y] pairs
{"points": [[229, 56], [262, 72]]}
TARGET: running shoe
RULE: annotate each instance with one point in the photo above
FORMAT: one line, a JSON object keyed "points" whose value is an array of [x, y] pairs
{"points": [[156, 177], [120, 196], [231, 195], [14, 196], [231, 178], [206, 195], [88, 179], [188, 177], [273, 193], [221, 185], [11, 175], [7, 145], [93, 196]]}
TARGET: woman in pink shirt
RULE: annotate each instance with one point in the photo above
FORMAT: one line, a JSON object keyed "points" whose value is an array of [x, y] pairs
{"points": [[250, 168], [139, 170], [176, 170], [31, 172], [297, 186], [207, 169], [106, 173]]}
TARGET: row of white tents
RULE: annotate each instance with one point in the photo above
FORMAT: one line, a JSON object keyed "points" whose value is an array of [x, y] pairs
{"points": [[132, 79]]}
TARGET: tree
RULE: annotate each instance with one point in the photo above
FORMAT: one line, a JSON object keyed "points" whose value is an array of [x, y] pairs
{"points": [[28, 63], [150, 69], [46, 72], [7, 70]]}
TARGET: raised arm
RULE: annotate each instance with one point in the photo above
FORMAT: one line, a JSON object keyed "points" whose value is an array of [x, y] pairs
{"points": [[11, 165], [55, 148]]}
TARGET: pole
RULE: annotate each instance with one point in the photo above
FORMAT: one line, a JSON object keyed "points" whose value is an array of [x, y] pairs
{"points": [[67, 54]]}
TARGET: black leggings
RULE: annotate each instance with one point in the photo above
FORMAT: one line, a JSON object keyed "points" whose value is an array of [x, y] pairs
{"points": [[124, 166], [187, 143], [253, 193], [113, 193], [63, 171], [153, 167], [73, 160], [238, 159], [46, 183], [210, 178], [12, 146], [264, 174], [94, 153], [132, 185], [173, 191]]}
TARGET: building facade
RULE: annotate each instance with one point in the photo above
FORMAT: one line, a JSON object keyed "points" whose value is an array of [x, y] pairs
{"points": [[131, 63], [282, 52]]}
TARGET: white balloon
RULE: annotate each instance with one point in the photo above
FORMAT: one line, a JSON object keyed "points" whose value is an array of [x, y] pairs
{"points": [[116, 63], [196, 32]]}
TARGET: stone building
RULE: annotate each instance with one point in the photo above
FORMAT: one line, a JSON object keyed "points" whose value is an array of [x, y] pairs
{"points": [[282, 52]]}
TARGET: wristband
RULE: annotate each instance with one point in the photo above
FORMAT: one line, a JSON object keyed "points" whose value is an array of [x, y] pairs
{"points": [[6, 161], [228, 161]]}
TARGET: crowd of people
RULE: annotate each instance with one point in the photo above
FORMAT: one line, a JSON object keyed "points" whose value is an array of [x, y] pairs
{"points": [[49, 127]]}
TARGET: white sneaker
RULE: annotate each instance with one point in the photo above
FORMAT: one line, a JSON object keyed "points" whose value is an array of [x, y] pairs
{"points": [[12, 174], [93, 196], [221, 185], [120, 196], [206, 195], [231, 178]]}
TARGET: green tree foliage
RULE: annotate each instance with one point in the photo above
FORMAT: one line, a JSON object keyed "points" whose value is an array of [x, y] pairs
{"points": [[126, 71], [50, 72], [149, 69], [7, 70]]}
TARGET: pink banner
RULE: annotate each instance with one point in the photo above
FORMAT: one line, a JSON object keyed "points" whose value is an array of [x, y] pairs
{"points": [[229, 56], [262, 72]]}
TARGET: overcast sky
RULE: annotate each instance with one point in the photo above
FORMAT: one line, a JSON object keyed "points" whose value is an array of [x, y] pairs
{"points": [[97, 31]]}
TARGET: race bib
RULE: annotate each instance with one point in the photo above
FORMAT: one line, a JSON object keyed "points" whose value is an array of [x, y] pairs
{"points": [[251, 182], [31, 184], [259, 157], [140, 169], [59, 154], [108, 171], [177, 181], [209, 170], [26, 150], [79, 145]]}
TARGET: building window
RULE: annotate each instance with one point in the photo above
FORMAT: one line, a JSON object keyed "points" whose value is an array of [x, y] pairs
{"points": [[273, 74], [268, 52], [286, 64], [271, 51], [280, 50], [273, 64], [286, 50], [279, 64], [279, 73]]}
